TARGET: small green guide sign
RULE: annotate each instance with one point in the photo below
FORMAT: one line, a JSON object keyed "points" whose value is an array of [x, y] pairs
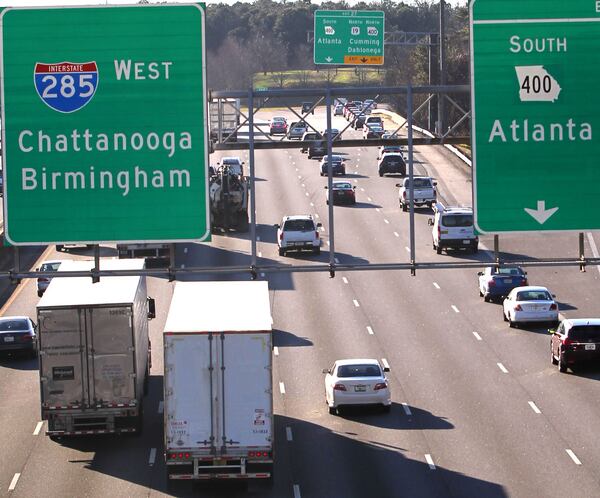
{"points": [[535, 114], [349, 37], [104, 135]]}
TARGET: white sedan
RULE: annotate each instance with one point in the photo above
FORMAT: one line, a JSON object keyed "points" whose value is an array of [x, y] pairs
{"points": [[356, 382], [529, 304]]}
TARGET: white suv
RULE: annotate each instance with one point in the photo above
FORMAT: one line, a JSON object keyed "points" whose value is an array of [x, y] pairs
{"points": [[453, 228], [298, 233], [424, 192]]}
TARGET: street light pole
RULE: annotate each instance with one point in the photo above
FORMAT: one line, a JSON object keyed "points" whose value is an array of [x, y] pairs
{"points": [[442, 67]]}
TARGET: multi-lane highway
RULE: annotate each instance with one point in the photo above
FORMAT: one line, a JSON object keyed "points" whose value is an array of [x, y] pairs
{"points": [[478, 410]]}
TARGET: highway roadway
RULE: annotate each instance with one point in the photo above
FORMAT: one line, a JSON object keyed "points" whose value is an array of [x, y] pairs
{"points": [[479, 411]]}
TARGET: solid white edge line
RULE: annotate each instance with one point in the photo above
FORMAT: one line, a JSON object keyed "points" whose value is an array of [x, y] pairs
{"points": [[573, 456], [370, 330], [385, 363], [429, 461], [406, 408], [356, 303], [502, 367], [456, 310], [152, 458], [594, 248], [288, 433], [345, 280], [161, 407], [275, 350], [281, 388], [534, 407], [436, 285], [13, 483], [477, 336], [38, 428], [297, 491]]}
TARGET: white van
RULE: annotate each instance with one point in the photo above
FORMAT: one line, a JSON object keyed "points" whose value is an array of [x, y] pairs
{"points": [[453, 229]]}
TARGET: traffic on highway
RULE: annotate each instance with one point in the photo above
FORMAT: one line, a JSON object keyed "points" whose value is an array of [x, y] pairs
{"points": [[456, 382]]}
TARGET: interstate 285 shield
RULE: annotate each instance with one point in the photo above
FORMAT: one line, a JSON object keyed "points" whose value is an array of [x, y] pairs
{"points": [[66, 86]]}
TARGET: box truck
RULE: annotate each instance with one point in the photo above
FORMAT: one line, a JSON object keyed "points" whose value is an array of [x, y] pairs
{"points": [[218, 386], [94, 350]]}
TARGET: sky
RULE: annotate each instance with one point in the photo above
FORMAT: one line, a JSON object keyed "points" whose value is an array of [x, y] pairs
{"points": [[26, 3]]}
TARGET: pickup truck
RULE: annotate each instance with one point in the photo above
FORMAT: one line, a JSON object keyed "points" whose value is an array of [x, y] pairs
{"points": [[424, 192]]}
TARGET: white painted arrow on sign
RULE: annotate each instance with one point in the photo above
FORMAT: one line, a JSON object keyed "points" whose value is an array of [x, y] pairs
{"points": [[328, 59], [541, 214]]}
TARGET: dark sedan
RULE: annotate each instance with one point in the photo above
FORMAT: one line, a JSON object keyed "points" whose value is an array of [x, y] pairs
{"points": [[337, 166], [391, 164], [17, 333], [341, 193], [495, 283]]}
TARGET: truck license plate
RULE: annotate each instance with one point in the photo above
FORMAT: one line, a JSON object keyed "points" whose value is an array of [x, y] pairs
{"points": [[9, 338], [590, 347], [466, 241]]}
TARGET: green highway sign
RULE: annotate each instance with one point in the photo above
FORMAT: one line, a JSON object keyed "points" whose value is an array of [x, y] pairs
{"points": [[104, 135], [349, 37], [535, 114]]}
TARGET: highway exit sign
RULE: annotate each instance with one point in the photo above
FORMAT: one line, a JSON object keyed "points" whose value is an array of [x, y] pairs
{"points": [[104, 135], [535, 114], [349, 37]]}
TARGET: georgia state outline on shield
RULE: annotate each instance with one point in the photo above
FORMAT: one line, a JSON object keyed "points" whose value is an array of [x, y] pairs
{"points": [[66, 86]]}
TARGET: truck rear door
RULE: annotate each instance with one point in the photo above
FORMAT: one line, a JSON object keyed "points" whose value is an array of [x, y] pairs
{"points": [[111, 355], [246, 390], [189, 390], [62, 358]]}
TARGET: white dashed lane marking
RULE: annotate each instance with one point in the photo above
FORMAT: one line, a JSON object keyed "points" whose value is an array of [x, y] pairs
{"points": [[336, 260], [356, 303], [435, 284], [152, 458], [573, 457], [455, 309], [275, 350], [161, 407], [534, 407], [386, 221], [345, 280], [430, 461], [396, 234], [477, 336], [38, 428], [13, 483], [297, 491], [502, 368], [281, 388], [406, 409], [369, 330], [385, 363], [288, 432]]}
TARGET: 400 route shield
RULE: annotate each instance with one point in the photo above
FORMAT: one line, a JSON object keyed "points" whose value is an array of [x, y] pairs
{"points": [[104, 134]]}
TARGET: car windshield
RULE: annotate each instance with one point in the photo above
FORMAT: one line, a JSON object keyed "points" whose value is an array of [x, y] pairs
{"points": [[457, 220], [342, 185], [420, 183], [359, 371], [509, 271], [50, 266], [531, 295], [585, 333], [298, 226], [19, 324]]}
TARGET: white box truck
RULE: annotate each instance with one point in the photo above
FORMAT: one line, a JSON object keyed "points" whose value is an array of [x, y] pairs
{"points": [[94, 350], [218, 399]]}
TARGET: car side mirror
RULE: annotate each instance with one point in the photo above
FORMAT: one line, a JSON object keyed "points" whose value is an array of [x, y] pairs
{"points": [[151, 308], [552, 331], [430, 222], [325, 187], [386, 369], [553, 295], [326, 371], [319, 225], [480, 273], [276, 225], [354, 187], [398, 185], [435, 184]]}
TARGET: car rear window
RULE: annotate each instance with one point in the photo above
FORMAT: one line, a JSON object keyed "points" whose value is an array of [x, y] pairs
{"points": [[7, 325], [585, 333], [298, 226], [342, 185], [509, 271], [533, 296], [49, 267], [359, 371], [457, 220], [393, 159], [420, 183]]}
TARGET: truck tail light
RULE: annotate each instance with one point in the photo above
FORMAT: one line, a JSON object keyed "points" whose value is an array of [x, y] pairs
{"points": [[379, 385], [317, 234], [339, 387], [404, 194], [281, 236]]}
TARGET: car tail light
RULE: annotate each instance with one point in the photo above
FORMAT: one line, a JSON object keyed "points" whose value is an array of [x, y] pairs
{"points": [[379, 385], [567, 342], [339, 387], [491, 283], [281, 236], [404, 194], [518, 308], [316, 234], [553, 306], [27, 338], [258, 454], [523, 281], [180, 456]]}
